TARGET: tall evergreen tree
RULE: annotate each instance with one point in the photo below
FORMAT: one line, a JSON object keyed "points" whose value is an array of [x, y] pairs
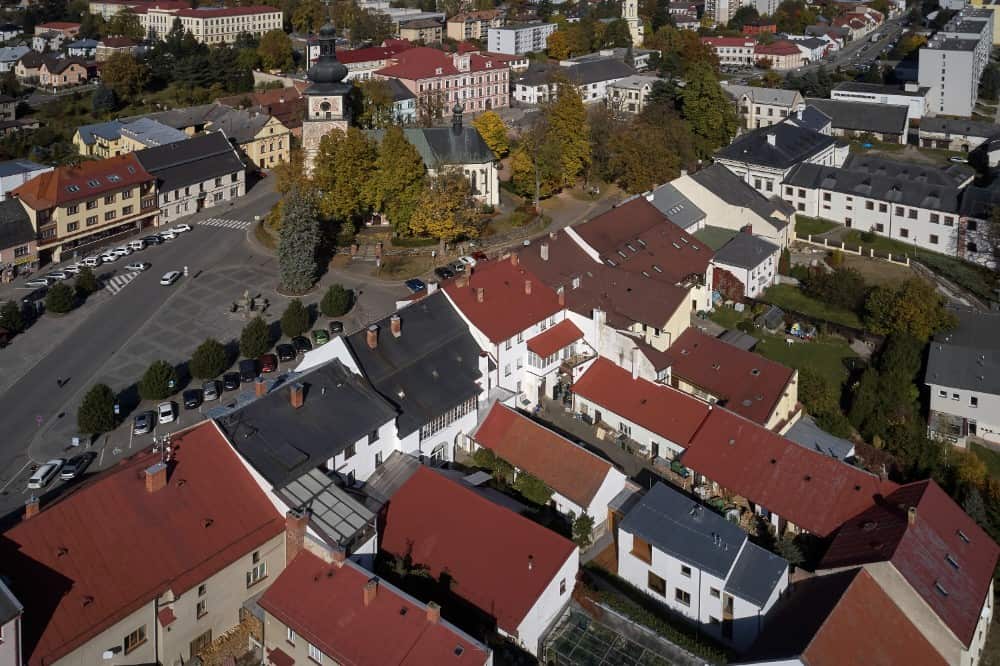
{"points": [[711, 116], [298, 242]]}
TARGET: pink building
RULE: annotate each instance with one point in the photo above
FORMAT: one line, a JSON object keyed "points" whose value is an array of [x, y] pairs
{"points": [[781, 55], [438, 79], [63, 73]]}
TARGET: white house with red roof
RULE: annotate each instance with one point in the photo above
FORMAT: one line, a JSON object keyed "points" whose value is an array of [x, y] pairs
{"points": [[738, 51], [441, 80], [364, 62], [781, 55], [582, 483]]}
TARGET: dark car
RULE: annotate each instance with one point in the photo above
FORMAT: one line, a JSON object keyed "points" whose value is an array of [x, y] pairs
{"points": [[193, 398], [268, 363], [444, 273], [76, 465], [248, 370], [230, 381], [415, 285], [286, 352], [152, 240], [301, 344], [336, 327]]}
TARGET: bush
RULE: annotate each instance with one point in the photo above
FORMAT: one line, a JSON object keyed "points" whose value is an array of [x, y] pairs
{"points": [[11, 317], [868, 237], [97, 411], [835, 259], [60, 299], [800, 272], [255, 338], [583, 528], [159, 381], [336, 301], [844, 287], [295, 320], [86, 282], [532, 489], [209, 359]]}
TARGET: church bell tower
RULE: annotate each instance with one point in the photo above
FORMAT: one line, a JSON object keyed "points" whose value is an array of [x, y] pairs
{"points": [[326, 97], [630, 12]]}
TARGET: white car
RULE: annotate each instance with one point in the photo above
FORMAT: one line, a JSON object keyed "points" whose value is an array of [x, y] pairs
{"points": [[169, 278], [57, 275], [45, 473], [109, 257], [180, 228], [468, 261], [36, 283], [137, 266], [169, 234], [92, 262], [123, 251], [72, 269], [165, 412]]}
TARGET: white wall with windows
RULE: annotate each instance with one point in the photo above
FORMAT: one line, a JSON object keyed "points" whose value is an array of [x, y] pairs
{"points": [[549, 604], [980, 411], [183, 201], [360, 460], [438, 438], [757, 279]]}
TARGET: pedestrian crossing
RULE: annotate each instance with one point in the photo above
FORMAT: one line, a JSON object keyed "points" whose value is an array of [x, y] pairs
{"points": [[235, 225], [118, 282]]}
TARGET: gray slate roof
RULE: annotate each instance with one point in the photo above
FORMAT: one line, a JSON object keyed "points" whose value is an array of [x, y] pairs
{"points": [[978, 202], [959, 126], [430, 368], [967, 357], [445, 145], [581, 73], [792, 145], [10, 607], [14, 167], [755, 574], [398, 91], [15, 226], [283, 443], [194, 160], [745, 251], [13, 53], [729, 187], [675, 206], [863, 116], [144, 130], [772, 96], [812, 118], [807, 434]]}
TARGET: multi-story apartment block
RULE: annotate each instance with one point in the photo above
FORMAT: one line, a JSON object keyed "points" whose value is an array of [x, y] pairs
{"points": [[73, 207], [474, 25], [440, 80], [952, 63], [422, 31], [733, 51], [591, 77], [211, 25], [519, 39], [763, 107], [910, 95]]}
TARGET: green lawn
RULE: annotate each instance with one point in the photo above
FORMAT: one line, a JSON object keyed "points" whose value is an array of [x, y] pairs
{"points": [[789, 297], [825, 355], [728, 317], [988, 456], [813, 225]]}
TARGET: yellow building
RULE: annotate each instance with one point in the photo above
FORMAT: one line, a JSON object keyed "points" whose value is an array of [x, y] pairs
{"points": [[117, 137], [77, 208], [993, 6]]}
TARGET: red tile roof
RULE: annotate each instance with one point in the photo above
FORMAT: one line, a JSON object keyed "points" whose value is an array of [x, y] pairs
{"points": [[744, 382], [324, 604], [638, 238], [83, 181], [116, 42], [110, 546], [58, 25], [484, 548], [277, 657], [814, 491], [374, 53], [657, 408], [422, 62], [506, 309], [553, 339], [568, 469], [921, 551], [779, 48]]}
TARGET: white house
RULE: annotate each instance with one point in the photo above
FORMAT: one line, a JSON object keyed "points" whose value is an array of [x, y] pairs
{"points": [[733, 51], [15, 173], [582, 483], [517, 39], [910, 95], [700, 565], [592, 79], [9, 55], [751, 260]]}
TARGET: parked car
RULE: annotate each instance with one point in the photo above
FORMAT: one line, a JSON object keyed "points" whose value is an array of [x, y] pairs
{"points": [[301, 344], [109, 257], [138, 266], [122, 251], [152, 240], [57, 275], [286, 352], [36, 283], [137, 245], [468, 260], [76, 465], [210, 390], [180, 228], [142, 423], [169, 278], [45, 473], [457, 267], [958, 160], [320, 337], [230, 381], [444, 273], [336, 327], [268, 363], [92, 262], [72, 269], [192, 398], [166, 412], [248, 370], [169, 234], [415, 285]]}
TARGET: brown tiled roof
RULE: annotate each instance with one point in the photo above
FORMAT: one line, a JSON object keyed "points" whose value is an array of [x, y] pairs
{"points": [[551, 340], [424, 62], [82, 181], [568, 469], [286, 104]]}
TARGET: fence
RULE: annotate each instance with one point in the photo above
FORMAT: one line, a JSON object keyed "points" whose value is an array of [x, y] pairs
{"points": [[859, 250], [848, 332]]}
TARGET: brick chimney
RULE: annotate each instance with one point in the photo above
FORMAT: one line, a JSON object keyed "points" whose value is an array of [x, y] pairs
{"points": [[562, 296], [480, 294], [371, 591], [513, 259], [259, 387], [296, 524], [156, 477], [911, 515], [433, 612], [372, 336], [338, 557], [543, 250], [31, 508], [527, 287], [748, 229], [396, 325], [297, 395]]}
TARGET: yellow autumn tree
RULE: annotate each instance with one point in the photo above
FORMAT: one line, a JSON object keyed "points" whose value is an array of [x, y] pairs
{"points": [[494, 132], [446, 209]]}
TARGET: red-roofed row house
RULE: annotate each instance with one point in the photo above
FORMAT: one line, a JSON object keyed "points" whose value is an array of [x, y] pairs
{"points": [[440, 80], [735, 51], [364, 62]]}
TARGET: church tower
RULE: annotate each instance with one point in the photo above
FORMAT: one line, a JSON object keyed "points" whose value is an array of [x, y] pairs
{"points": [[630, 12], [326, 98]]}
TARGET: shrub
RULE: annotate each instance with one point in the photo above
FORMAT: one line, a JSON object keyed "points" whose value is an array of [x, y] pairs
{"points": [[336, 301], [583, 528], [159, 381], [295, 320], [60, 299], [11, 317], [844, 287], [86, 282], [97, 411], [209, 359], [785, 263], [255, 338], [835, 259], [800, 272], [532, 489]]}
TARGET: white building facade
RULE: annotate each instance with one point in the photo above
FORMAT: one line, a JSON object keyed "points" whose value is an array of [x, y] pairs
{"points": [[519, 39]]}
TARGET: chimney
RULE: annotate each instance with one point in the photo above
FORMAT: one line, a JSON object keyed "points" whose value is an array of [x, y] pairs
{"points": [[433, 612], [748, 229], [480, 294], [562, 297], [31, 508], [527, 287], [798, 111], [156, 477], [513, 259], [296, 524], [371, 591], [543, 249], [635, 362], [911, 515], [297, 394], [396, 325], [772, 139], [259, 387], [531, 562], [338, 557], [372, 336]]}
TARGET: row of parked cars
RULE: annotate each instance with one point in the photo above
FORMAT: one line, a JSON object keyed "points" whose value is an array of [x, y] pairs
{"points": [[456, 267], [66, 469]]}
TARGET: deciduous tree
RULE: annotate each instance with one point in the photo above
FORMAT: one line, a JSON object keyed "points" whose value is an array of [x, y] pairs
{"points": [[209, 360], [375, 104], [399, 180], [97, 411], [275, 51], [60, 298], [566, 128], [125, 23], [86, 282], [707, 110], [309, 16], [125, 75], [298, 242], [912, 308], [494, 132], [158, 382], [445, 209], [344, 169]]}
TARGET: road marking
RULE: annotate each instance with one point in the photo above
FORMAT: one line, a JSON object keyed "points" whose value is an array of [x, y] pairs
{"points": [[118, 282], [236, 225], [16, 474]]}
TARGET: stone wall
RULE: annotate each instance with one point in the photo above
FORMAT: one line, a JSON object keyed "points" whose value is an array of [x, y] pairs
{"points": [[235, 643]]}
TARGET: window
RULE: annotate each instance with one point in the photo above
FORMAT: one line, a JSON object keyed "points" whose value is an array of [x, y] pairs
{"points": [[883, 208], [373, 436], [880, 227], [714, 592], [826, 196], [949, 221], [109, 199], [315, 654], [935, 218], [506, 370], [870, 205], [258, 572], [788, 191], [507, 344], [110, 215], [973, 401], [912, 214], [202, 608], [350, 451], [971, 225], [21, 251], [92, 204], [905, 233], [624, 428], [127, 210], [656, 584], [682, 597], [92, 220], [942, 394], [954, 396], [899, 211], [642, 550], [971, 247], [72, 226], [449, 417], [202, 589], [933, 239], [685, 571], [71, 210], [562, 586], [135, 639]]}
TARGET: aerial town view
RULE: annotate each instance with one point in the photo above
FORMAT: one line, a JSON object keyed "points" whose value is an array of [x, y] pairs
{"points": [[499, 332]]}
